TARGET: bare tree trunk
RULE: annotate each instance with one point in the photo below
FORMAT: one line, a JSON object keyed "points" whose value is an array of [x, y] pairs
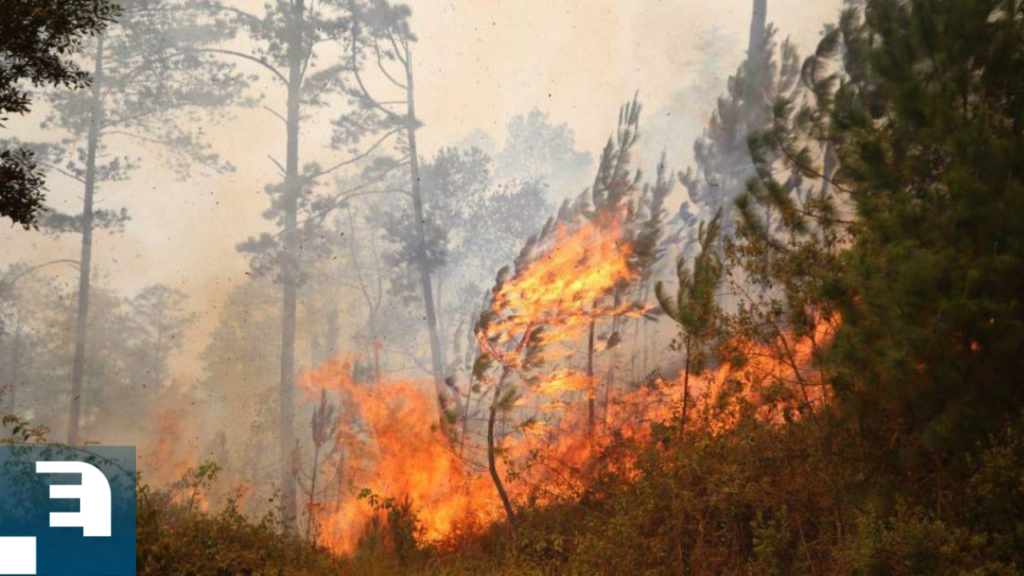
{"points": [[590, 379], [442, 328], [290, 271], [85, 262], [609, 381], [491, 460], [426, 285], [758, 25], [647, 346], [686, 382], [465, 419], [312, 491], [376, 345], [637, 343]]}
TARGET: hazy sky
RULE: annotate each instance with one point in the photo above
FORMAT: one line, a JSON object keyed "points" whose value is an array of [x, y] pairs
{"points": [[478, 62]]}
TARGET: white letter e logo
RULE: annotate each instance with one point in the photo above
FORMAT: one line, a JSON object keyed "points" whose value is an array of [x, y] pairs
{"points": [[93, 494]]}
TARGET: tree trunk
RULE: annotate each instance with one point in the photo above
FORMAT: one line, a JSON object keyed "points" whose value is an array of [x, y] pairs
{"points": [[758, 25], [491, 460], [312, 491], [637, 343], [426, 285], [590, 379], [290, 271], [646, 346], [613, 362], [85, 262], [442, 328], [376, 345], [465, 419], [686, 383]]}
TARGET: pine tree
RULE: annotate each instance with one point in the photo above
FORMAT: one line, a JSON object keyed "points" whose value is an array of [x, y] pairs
{"points": [[694, 306], [915, 124], [722, 154], [141, 94]]}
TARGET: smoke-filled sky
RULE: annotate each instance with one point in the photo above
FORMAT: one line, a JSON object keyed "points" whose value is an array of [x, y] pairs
{"points": [[478, 63]]}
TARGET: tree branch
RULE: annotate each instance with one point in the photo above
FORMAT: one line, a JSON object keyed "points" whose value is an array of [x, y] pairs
{"points": [[278, 164], [276, 113], [11, 282], [356, 158], [398, 53], [350, 193], [243, 56], [380, 64], [60, 170], [359, 79]]}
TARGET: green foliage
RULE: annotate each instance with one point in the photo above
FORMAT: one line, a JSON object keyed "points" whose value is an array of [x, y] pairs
{"points": [[21, 187], [773, 543], [538, 149], [759, 499], [914, 542], [930, 295], [20, 431], [915, 115], [995, 492], [393, 534], [693, 306], [38, 41], [174, 539], [130, 354]]}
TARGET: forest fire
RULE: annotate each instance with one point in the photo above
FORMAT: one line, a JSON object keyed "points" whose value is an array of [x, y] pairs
{"points": [[390, 446], [391, 454], [769, 324]]}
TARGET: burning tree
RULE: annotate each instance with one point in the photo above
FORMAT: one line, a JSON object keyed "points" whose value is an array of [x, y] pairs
{"points": [[564, 283], [539, 314], [324, 427]]}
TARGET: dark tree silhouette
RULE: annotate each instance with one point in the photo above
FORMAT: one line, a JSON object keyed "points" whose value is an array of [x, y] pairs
{"points": [[38, 39]]}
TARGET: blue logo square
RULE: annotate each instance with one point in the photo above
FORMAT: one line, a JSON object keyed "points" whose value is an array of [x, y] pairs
{"points": [[67, 510]]}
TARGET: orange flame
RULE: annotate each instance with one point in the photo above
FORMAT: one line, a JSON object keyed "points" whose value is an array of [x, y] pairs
{"points": [[564, 381], [392, 447], [390, 442], [563, 291], [171, 453]]}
